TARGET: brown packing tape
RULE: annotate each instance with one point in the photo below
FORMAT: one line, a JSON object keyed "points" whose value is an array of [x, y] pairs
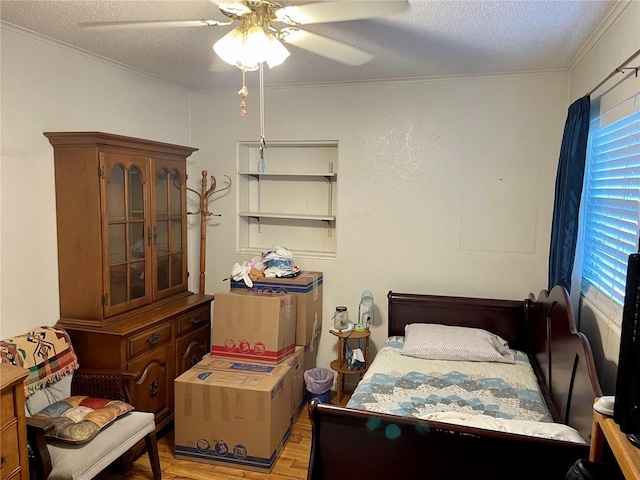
{"points": [[241, 307], [188, 399], [261, 312], [206, 403], [262, 404], [226, 314], [225, 414]]}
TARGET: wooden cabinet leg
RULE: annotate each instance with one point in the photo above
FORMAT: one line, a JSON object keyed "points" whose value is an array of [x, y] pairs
{"points": [[596, 451]]}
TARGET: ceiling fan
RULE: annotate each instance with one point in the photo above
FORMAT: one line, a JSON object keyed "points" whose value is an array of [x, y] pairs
{"points": [[261, 26]]}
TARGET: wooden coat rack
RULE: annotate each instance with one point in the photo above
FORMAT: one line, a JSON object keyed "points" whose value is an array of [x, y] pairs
{"points": [[203, 210]]}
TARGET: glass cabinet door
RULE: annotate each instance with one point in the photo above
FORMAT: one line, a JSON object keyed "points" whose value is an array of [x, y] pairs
{"points": [[127, 233], [170, 229]]}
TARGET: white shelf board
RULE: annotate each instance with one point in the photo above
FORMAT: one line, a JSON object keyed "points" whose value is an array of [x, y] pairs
{"points": [[289, 174], [295, 216]]}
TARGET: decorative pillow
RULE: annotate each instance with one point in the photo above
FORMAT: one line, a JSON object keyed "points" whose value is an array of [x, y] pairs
{"points": [[444, 342], [78, 419]]}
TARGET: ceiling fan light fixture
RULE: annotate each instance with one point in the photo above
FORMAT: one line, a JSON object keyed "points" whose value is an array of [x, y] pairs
{"points": [[247, 47]]}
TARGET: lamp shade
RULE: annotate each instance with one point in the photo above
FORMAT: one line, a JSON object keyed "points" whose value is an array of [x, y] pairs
{"points": [[277, 52], [229, 48], [366, 299], [247, 48]]}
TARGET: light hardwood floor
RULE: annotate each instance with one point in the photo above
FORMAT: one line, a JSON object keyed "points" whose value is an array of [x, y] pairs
{"points": [[291, 465]]}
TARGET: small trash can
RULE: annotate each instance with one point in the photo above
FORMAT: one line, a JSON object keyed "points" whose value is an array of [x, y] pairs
{"points": [[318, 382], [586, 470]]}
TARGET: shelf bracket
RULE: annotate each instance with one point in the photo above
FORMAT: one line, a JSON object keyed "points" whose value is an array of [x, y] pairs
{"points": [[330, 200], [259, 204]]}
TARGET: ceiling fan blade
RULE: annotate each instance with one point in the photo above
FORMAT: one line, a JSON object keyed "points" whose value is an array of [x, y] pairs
{"points": [[325, 47], [233, 7], [154, 24], [339, 11]]}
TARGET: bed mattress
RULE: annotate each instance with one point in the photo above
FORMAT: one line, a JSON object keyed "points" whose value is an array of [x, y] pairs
{"points": [[489, 395]]}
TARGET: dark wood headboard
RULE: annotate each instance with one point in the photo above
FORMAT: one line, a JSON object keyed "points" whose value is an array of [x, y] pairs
{"points": [[506, 318]]}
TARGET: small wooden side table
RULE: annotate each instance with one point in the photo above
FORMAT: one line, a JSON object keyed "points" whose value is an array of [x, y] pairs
{"points": [[627, 455], [14, 463], [340, 364]]}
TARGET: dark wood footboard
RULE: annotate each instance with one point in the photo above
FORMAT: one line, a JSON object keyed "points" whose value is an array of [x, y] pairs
{"points": [[350, 444], [353, 444]]}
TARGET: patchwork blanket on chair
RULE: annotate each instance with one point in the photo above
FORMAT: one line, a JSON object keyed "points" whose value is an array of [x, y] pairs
{"points": [[45, 351]]}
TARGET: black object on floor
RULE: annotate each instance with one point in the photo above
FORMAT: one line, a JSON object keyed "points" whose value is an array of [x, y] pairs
{"points": [[586, 470]]}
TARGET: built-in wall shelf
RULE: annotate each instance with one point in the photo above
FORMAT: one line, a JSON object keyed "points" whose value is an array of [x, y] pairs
{"points": [[288, 198]]}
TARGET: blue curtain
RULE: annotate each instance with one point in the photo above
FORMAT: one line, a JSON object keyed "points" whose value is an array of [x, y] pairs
{"points": [[564, 229]]}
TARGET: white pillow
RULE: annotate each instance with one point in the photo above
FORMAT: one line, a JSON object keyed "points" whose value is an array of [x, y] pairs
{"points": [[443, 342]]}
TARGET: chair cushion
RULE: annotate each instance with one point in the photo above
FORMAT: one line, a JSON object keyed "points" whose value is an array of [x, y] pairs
{"points": [[86, 460], [78, 419]]}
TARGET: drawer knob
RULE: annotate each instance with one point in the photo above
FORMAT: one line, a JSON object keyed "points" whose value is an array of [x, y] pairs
{"points": [[153, 339], [153, 388], [196, 319]]}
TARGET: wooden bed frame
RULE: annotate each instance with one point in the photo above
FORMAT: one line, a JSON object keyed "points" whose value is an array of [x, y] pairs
{"points": [[355, 444]]}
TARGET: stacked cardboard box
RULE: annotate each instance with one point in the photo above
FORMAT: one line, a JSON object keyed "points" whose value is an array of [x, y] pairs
{"points": [[234, 413], [307, 287], [258, 326], [236, 406]]}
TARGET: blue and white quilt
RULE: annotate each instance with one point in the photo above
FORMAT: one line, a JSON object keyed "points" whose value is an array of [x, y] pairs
{"points": [[496, 396]]}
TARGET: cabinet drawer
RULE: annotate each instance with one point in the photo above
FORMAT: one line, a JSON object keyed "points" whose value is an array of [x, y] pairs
{"points": [[194, 319], [10, 461], [7, 407], [148, 339]]}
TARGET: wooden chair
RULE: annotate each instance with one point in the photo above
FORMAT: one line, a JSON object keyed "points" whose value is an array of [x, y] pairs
{"points": [[57, 460]]}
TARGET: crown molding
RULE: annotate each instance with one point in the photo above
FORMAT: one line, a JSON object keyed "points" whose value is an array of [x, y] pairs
{"points": [[600, 32]]}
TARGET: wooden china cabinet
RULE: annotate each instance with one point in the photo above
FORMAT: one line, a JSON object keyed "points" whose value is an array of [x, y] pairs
{"points": [[122, 259]]}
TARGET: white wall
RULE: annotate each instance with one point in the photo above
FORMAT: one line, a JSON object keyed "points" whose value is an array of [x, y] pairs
{"points": [[444, 187], [50, 88], [599, 318]]}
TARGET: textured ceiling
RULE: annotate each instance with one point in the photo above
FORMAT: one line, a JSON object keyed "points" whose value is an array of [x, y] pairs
{"points": [[431, 38]]}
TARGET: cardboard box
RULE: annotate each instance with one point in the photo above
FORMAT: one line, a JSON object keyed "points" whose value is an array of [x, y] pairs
{"points": [[294, 380], [256, 326], [230, 417], [214, 362], [307, 287], [311, 350], [293, 377]]}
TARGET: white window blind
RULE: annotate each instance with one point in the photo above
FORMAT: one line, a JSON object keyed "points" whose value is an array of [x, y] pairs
{"points": [[612, 199]]}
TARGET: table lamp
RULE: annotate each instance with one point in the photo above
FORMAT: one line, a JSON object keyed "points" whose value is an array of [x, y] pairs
{"points": [[365, 310]]}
